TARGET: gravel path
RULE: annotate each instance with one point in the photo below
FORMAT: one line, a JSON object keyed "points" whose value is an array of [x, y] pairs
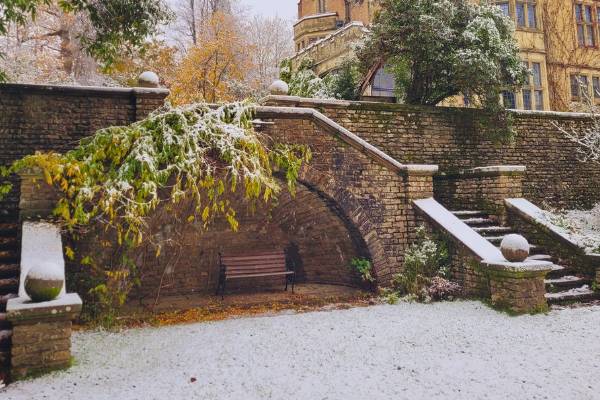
{"points": [[460, 350]]}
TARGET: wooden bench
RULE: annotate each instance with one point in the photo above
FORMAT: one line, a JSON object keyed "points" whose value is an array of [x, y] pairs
{"points": [[254, 266]]}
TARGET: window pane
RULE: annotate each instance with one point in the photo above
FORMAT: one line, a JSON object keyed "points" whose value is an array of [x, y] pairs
{"points": [[539, 100], [588, 14], [596, 85], [574, 86], [589, 35], [580, 35], [537, 74], [583, 84], [578, 12], [505, 8], [520, 14], [508, 99], [528, 77], [531, 19], [527, 99]]}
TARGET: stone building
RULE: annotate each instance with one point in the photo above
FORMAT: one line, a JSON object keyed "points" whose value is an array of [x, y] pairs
{"points": [[559, 42]]}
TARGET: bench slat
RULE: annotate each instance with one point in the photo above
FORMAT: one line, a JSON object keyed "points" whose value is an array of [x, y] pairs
{"points": [[256, 257], [258, 275], [270, 265], [242, 264]]}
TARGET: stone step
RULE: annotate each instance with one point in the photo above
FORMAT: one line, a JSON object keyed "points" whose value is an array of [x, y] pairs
{"points": [[4, 362], [9, 270], [578, 294], [4, 324], [540, 257], [478, 221], [8, 256], [5, 336], [469, 214], [493, 230], [566, 282], [9, 285], [9, 242], [8, 228]]}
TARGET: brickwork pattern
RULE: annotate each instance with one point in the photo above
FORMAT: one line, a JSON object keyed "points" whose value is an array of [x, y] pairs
{"points": [[454, 140], [40, 347]]}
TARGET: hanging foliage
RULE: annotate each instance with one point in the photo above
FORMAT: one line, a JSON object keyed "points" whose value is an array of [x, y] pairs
{"points": [[119, 176]]}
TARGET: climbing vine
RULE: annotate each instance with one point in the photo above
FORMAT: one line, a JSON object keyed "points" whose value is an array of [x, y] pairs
{"points": [[120, 175]]}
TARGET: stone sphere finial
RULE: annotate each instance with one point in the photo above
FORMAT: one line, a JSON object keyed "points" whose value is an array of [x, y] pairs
{"points": [[514, 248], [148, 79], [279, 87]]}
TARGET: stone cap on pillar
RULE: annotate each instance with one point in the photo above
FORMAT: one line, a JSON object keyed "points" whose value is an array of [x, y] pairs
{"points": [[523, 269], [421, 169], [21, 310]]}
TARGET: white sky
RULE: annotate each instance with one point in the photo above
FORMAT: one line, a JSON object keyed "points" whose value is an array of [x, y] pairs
{"points": [[284, 8]]}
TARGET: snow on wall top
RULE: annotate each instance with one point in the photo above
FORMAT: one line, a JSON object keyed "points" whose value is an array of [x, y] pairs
{"points": [[533, 213], [41, 244]]}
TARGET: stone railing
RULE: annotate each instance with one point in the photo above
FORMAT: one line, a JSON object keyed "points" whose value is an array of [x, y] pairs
{"points": [[481, 268], [531, 219]]}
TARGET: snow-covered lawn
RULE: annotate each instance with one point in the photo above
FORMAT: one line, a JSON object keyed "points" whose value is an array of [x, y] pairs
{"points": [[459, 350]]}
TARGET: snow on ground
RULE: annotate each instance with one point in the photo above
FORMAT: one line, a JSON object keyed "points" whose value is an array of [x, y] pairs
{"points": [[460, 350]]}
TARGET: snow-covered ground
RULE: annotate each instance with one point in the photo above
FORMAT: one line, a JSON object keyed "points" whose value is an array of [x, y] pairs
{"points": [[459, 350]]}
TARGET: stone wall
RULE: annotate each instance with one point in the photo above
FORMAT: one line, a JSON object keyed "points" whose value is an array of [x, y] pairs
{"points": [[455, 140]]}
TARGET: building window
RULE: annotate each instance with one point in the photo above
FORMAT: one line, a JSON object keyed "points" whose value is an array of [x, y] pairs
{"points": [[586, 25], [596, 86], [321, 6], [509, 100], [505, 7], [579, 86], [525, 12], [533, 93]]}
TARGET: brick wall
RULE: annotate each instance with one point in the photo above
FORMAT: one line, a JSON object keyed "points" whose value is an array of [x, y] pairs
{"points": [[36, 117], [454, 140]]}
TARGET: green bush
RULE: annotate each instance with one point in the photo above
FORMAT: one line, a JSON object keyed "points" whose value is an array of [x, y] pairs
{"points": [[364, 268]]}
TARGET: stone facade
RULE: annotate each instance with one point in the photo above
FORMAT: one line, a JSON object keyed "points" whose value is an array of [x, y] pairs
{"points": [[455, 140]]}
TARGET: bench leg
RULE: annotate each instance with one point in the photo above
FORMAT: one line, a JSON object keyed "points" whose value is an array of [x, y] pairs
{"points": [[287, 278], [223, 289], [293, 282]]}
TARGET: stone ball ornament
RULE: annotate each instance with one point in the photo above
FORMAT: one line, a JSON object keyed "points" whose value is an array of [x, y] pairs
{"points": [[43, 283], [514, 248], [279, 87], [148, 79]]}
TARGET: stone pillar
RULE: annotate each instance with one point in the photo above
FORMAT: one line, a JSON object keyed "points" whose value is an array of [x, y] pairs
{"points": [[41, 338], [518, 287], [38, 199]]}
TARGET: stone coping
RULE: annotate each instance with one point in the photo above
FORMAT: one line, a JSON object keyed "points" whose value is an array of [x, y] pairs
{"points": [[518, 269], [343, 29], [492, 170], [532, 214], [316, 16], [421, 169], [383, 106], [347, 136], [85, 90], [22, 310]]}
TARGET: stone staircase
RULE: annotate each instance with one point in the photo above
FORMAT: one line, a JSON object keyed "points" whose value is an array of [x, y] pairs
{"points": [[563, 284], [9, 275]]}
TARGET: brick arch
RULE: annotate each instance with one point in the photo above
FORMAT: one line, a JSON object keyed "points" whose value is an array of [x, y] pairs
{"points": [[350, 210]]}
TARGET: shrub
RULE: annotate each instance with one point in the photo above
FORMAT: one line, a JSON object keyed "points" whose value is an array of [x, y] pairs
{"points": [[364, 268], [425, 271]]}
